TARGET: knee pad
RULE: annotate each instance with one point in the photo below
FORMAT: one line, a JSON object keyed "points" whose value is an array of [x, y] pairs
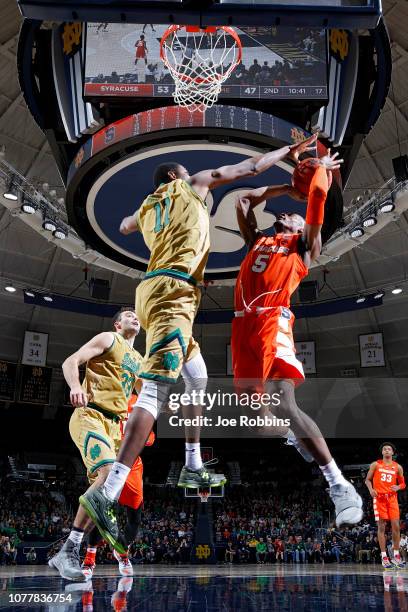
{"points": [[194, 373], [153, 397]]}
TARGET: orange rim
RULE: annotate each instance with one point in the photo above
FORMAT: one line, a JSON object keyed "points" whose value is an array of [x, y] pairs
{"points": [[210, 30]]}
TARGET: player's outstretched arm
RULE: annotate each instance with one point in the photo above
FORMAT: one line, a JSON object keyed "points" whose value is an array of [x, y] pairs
{"points": [[252, 166], [129, 225], [369, 479], [244, 207], [70, 368], [318, 190], [245, 204]]}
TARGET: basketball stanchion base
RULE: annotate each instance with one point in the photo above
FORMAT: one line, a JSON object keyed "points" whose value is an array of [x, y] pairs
{"points": [[203, 548]]}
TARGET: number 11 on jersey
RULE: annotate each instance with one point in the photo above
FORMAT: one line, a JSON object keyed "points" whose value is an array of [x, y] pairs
{"points": [[159, 225]]}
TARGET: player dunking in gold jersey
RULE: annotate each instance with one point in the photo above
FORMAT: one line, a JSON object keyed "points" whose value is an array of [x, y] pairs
{"points": [[175, 226]]}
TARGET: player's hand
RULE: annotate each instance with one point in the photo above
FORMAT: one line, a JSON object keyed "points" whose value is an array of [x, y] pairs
{"points": [[295, 194], [330, 162], [78, 397], [302, 147], [373, 493], [127, 226], [395, 488]]}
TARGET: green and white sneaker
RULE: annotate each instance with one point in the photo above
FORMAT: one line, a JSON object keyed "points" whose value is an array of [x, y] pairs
{"points": [[193, 479], [103, 512]]}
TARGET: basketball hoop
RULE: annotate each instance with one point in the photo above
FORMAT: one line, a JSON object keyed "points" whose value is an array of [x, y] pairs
{"points": [[204, 495], [200, 60]]}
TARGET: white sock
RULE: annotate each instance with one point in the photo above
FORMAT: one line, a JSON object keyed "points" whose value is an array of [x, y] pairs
{"points": [[193, 455], [384, 555], [396, 553], [76, 536], [115, 481], [91, 549], [333, 474]]}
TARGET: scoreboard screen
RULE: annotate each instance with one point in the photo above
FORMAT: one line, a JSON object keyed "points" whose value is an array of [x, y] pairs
{"points": [[123, 60]]}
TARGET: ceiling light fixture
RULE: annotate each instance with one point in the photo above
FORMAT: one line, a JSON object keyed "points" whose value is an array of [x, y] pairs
{"points": [[357, 232], [59, 233], [396, 290], [10, 288], [370, 221], [387, 206], [11, 192], [49, 225], [29, 207], [47, 298], [360, 299]]}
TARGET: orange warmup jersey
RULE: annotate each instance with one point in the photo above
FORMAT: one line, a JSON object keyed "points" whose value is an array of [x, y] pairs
{"points": [[262, 340], [385, 505]]}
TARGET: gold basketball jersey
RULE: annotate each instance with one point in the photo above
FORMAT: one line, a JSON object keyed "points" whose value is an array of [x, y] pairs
{"points": [[111, 377], [175, 226]]}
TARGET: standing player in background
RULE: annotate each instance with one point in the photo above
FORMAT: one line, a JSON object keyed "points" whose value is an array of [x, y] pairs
{"points": [[101, 404], [175, 226], [141, 49], [145, 26], [262, 343], [381, 481]]}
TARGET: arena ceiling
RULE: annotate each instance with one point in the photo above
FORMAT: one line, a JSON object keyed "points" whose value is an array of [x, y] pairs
{"points": [[29, 258]]}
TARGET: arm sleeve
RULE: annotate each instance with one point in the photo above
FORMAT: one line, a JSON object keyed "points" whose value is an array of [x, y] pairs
{"points": [[317, 197], [401, 481]]}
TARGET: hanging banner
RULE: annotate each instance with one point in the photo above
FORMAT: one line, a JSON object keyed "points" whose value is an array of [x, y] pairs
{"points": [[371, 350], [305, 352], [35, 385], [35, 348], [8, 378]]}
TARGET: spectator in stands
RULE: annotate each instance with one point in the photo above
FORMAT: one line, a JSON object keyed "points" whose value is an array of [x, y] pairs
{"points": [[31, 555], [289, 550], [403, 547], [252, 543], [183, 552], [261, 551], [299, 549], [336, 550], [230, 553], [253, 70], [270, 550]]}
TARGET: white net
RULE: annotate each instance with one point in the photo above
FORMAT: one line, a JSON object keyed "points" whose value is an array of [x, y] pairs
{"points": [[199, 62]]}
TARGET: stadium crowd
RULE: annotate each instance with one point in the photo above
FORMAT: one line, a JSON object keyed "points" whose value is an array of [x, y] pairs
{"points": [[280, 73], [266, 523]]}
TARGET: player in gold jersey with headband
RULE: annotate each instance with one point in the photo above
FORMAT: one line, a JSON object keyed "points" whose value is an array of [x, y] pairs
{"points": [[174, 223]]}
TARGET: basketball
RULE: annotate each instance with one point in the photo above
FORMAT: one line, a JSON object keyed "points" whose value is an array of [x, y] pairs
{"points": [[303, 174]]}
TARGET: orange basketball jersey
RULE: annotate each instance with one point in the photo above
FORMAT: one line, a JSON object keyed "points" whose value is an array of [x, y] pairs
{"points": [[385, 476], [270, 273]]}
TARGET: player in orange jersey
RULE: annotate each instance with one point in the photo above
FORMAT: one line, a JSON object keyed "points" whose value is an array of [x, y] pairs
{"points": [[132, 498], [384, 479], [141, 49], [262, 340]]}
